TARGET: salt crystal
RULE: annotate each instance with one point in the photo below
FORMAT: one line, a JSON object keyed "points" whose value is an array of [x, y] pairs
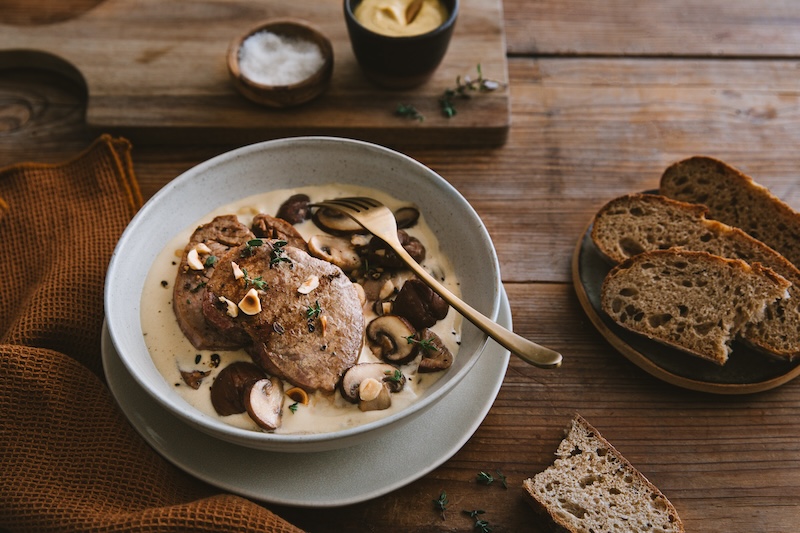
{"points": [[271, 59]]}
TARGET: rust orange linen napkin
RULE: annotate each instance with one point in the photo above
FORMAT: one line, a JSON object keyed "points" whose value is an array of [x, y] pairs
{"points": [[69, 460]]}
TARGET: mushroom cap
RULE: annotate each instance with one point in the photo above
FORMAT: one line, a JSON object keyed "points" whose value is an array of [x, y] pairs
{"points": [[229, 387], [263, 400], [383, 372], [392, 337], [335, 250]]}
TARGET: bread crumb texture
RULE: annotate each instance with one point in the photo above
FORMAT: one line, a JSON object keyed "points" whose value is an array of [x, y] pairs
{"points": [[592, 488], [694, 301]]}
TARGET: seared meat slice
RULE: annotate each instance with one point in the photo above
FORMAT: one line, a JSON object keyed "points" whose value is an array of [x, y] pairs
{"points": [[268, 227], [310, 326], [211, 240]]}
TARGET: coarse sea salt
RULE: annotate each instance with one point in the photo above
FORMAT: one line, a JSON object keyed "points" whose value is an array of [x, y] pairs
{"points": [[271, 59]]}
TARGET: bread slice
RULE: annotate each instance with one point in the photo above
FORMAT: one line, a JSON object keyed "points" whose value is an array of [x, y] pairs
{"points": [[693, 301], [591, 487], [735, 199], [636, 223]]}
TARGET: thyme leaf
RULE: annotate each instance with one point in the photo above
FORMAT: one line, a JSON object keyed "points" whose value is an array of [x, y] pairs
{"points": [[258, 282], [480, 525], [441, 503], [464, 88], [250, 247], [408, 110], [425, 344]]}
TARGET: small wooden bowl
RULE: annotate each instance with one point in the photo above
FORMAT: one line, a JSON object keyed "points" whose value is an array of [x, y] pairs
{"points": [[280, 96]]}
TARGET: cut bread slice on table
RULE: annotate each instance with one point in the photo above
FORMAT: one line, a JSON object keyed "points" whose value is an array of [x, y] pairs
{"points": [[693, 301], [636, 223], [591, 487], [736, 199]]}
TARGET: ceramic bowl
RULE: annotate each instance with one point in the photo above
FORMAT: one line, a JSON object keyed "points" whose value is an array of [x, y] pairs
{"points": [[282, 94], [281, 164], [399, 62]]}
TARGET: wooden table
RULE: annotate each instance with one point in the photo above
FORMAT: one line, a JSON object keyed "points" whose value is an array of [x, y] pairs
{"points": [[604, 95]]}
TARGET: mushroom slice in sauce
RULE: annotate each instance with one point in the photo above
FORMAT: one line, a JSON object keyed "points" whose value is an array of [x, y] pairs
{"points": [[263, 400], [336, 250], [228, 389], [387, 375], [435, 355], [406, 217], [332, 221], [392, 337]]}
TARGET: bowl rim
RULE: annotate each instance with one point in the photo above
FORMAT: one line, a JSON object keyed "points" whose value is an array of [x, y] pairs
{"points": [[320, 76], [266, 440]]}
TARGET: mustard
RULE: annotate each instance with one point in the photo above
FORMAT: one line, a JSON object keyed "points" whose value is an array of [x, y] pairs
{"points": [[388, 17]]}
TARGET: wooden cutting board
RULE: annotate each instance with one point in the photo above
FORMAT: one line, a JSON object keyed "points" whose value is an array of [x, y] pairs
{"points": [[155, 71]]}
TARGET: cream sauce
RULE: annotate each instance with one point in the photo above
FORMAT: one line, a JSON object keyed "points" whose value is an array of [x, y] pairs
{"points": [[172, 352], [388, 17]]}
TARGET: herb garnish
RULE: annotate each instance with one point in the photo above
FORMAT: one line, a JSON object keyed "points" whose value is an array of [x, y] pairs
{"points": [[276, 255], [408, 110], [293, 407], [198, 287], [441, 503], [395, 377], [313, 312], [480, 525], [425, 344], [211, 260], [250, 247], [463, 89], [258, 282], [484, 478]]}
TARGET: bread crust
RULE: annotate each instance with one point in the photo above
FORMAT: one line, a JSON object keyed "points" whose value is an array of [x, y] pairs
{"points": [[565, 468], [693, 301], [636, 223], [736, 199]]}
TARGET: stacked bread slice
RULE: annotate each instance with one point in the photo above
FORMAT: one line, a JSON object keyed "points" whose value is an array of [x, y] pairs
{"points": [[735, 287]]}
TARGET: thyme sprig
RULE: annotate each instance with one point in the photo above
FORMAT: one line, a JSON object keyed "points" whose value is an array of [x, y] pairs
{"points": [[395, 377], [441, 503], [276, 255], [250, 247], [465, 87], [408, 110], [258, 282], [425, 344], [480, 525], [485, 478]]}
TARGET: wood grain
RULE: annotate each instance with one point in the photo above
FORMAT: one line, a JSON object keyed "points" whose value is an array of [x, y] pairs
{"points": [[156, 71], [584, 129]]}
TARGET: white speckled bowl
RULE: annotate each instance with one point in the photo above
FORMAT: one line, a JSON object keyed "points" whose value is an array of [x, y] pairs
{"points": [[283, 164]]}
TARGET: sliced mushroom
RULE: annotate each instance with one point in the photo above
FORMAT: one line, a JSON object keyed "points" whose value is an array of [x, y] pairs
{"points": [[295, 209], [336, 223], [393, 338], [389, 375], [228, 388], [374, 395], [435, 355], [417, 303], [406, 217], [264, 401], [336, 250]]}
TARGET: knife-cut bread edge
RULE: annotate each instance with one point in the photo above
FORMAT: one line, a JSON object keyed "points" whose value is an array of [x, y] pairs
{"points": [[693, 301], [736, 199], [591, 487], [636, 223]]}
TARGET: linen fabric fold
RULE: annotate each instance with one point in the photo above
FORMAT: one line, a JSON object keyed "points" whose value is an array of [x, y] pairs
{"points": [[69, 460]]}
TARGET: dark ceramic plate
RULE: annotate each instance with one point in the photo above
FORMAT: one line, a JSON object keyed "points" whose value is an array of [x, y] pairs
{"points": [[746, 371]]}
